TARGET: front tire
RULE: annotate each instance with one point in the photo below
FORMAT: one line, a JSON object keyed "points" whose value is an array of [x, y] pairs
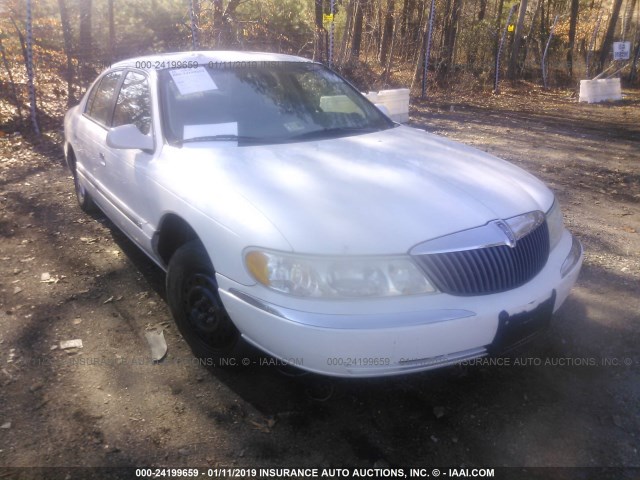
{"points": [[192, 294]]}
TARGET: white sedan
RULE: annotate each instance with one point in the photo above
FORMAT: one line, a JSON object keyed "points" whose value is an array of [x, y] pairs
{"points": [[290, 213]]}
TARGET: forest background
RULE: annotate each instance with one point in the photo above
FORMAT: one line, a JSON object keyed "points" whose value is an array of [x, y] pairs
{"points": [[52, 49]]}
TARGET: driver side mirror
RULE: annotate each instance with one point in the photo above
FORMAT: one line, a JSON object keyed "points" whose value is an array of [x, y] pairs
{"points": [[129, 137]]}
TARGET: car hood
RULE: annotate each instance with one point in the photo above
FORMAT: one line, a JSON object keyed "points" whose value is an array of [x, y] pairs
{"points": [[379, 193]]}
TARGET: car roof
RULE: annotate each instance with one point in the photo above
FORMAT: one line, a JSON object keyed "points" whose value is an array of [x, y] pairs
{"points": [[203, 58]]}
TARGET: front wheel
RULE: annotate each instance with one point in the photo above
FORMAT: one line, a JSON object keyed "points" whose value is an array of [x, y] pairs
{"points": [[192, 294]]}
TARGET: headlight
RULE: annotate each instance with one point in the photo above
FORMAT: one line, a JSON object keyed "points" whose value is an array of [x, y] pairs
{"points": [[337, 277], [574, 256], [555, 224]]}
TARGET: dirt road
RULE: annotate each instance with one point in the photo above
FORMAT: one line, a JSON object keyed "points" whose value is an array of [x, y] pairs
{"points": [[571, 399]]}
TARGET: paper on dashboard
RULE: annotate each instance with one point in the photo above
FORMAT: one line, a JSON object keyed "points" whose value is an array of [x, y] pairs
{"points": [[209, 130], [192, 80]]}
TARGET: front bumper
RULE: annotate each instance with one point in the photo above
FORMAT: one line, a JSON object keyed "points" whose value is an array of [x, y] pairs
{"points": [[381, 337]]}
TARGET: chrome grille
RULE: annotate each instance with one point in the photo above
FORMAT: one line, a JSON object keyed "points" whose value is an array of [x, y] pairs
{"points": [[494, 269]]}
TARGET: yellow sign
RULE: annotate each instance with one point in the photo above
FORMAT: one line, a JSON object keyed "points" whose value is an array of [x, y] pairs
{"points": [[511, 28], [327, 17]]}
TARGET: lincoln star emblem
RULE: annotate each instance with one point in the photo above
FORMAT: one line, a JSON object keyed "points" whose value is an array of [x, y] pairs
{"points": [[511, 237]]}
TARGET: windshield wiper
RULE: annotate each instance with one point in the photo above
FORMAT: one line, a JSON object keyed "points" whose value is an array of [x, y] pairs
{"points": [[220, 138], [332, 132]]}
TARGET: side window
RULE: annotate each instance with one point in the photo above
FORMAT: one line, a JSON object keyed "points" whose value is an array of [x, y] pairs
{"points": [[134, 103], [101, 98]]}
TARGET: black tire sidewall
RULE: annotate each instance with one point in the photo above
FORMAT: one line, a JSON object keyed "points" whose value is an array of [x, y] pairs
{"points": [[85, 201], [188, 260]]}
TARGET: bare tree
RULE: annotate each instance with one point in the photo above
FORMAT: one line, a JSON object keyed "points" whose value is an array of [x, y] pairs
{"points": [[450, 33], [573, 23], [626, 25], [356, 39], [387, 32], [347, 29], [14, 91], [483, 10], [319, 46], [499, 10], [517, 39], [223, 20], [608, 36], [85, 49], [112, 31], [68, 48], [23, 45]]}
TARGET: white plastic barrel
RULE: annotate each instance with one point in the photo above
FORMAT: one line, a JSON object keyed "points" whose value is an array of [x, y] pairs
{"points": [[397, 103], [593, 91]]}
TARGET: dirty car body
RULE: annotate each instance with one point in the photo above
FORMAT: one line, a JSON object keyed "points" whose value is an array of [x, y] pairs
{"points": [[291, 214]]}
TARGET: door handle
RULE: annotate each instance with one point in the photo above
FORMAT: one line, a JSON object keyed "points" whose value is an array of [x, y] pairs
{"points": [[103, 162]]}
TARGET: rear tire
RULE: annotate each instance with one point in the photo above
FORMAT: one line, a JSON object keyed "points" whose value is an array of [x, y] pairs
{"points": [[84, 199], [192, 294]]}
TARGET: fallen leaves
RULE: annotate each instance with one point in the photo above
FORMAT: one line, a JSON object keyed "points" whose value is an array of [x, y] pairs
{"points": [[264, 425]]}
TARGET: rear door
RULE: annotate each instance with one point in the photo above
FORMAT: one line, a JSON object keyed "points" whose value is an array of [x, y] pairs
{"points": [[92, 130]]}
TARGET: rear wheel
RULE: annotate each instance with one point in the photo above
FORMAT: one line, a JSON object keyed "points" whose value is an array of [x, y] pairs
{"points": [[84, 199], [192, 294]]}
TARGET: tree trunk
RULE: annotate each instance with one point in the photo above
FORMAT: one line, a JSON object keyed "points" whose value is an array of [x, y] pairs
{"points": [[530, 38], [217, 23], [407, 11], [319, 47], [14, 91], [421, 49], [517, 39], [194, 14], [226, 20], [634, 63], [455, 23], [387, 70], [497, 27], [627, 19], [112, 32], [68, 49], [608, 37], [573, 23], [446, 16], [368, 37], [356, 40], [483, 10], [21, 39], [30, 72], [449, 36], [347, 30], [546, 20], [84, 49], [387, 32]]}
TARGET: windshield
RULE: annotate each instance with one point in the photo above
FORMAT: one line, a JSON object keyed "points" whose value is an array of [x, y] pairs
{"points": [[275, 102]]}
